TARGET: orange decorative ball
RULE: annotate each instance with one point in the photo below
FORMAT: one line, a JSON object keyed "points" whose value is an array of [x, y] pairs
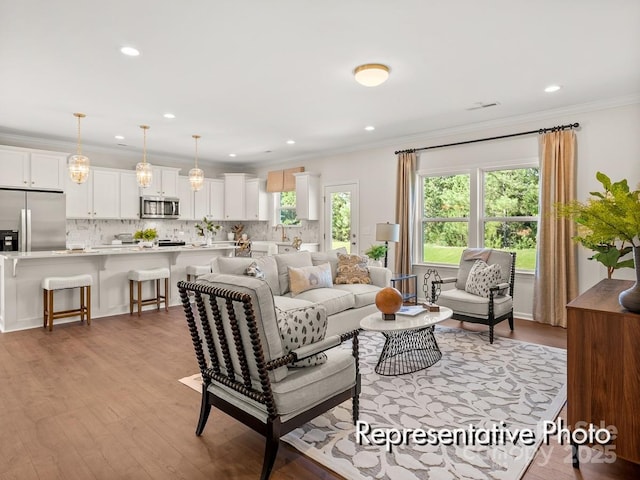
{"points": [[389, 300]]}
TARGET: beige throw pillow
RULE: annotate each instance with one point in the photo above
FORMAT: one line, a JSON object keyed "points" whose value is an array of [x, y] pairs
{"points": [[307, 278], [352, 269]]}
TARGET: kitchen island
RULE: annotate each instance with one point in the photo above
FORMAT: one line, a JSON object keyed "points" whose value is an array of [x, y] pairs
{"points": [[21, 274]]}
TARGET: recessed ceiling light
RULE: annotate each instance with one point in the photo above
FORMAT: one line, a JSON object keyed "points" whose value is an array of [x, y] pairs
{"points": [[130, 51], [169, 115], [371, 74], [119, 137], [370, 128], [552, 88], [290, 142], [232, 154]]}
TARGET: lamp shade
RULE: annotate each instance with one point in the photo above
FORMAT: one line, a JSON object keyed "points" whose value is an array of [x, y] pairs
{"points": [[387, 232]]}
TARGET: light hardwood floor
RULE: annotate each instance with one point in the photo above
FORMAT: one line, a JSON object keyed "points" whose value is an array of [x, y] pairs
{"points": [[103, 402]]}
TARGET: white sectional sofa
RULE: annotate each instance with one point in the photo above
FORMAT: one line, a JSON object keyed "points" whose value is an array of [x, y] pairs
{"points": [[345, 305]]}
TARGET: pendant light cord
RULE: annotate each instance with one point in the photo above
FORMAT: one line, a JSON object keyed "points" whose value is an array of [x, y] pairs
{"points": [[196, 138], [144, 142], [79, 116]]}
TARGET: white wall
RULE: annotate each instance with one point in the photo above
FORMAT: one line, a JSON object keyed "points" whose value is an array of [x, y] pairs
{"points": [[608, 141]]}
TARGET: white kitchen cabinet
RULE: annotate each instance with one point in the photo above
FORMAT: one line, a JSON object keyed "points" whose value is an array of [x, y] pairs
{"points": [[234, 196], [216, 199], [201, 204], [164, 183], [186, 196], [307, 195], [97, 198], [257, 202], [129, 196], [24, 168]]}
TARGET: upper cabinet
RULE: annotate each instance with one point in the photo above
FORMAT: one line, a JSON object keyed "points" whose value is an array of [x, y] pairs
{"points": [[164, 183], [307, 195], [234, 196], [216, 199], [129, 196], [24, 168], [98, 197], [186, 196], [257, 207]]}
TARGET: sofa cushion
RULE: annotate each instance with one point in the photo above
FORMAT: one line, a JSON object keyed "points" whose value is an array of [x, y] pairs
{"points": [[352, 269], [482, 277], [286, 260], [239, 265], [473, 305], [362, 294], [303, 326], [318, 258], [332, 299], [307, 278]]}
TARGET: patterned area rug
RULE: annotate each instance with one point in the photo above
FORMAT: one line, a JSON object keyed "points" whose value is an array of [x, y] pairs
{"points": [[476, 387]]}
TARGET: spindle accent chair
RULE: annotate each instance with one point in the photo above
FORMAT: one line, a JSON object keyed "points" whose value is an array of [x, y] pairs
{"points": [[245, 370]]}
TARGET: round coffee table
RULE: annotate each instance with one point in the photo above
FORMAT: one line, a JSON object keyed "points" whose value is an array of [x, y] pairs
{"points": [[409, 341]]}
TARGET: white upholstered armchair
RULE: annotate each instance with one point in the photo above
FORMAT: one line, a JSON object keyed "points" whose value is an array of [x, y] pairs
{"points": [[483, 291], [247, 365]]}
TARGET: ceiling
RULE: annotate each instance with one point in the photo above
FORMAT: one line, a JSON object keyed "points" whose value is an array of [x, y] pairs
{"points": [[249, 75]]}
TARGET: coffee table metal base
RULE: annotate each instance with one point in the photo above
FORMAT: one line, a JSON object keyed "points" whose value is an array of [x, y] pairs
{"points": [[408, 351]]}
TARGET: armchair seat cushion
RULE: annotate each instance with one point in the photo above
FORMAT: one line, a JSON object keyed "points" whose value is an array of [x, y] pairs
{"points": [[302, 389], [466, 303]]}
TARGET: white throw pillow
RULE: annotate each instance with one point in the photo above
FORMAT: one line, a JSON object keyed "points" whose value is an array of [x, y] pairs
{"points": [[482, 277], [307, 278]]}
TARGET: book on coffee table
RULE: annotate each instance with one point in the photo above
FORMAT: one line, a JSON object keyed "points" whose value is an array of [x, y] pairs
{"points": [[411, 310]]}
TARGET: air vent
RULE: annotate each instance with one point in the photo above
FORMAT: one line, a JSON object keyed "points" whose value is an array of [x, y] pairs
{"points": [[480, 105]]}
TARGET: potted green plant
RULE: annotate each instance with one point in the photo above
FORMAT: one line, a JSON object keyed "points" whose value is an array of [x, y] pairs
{"points": [[376, 253], [609, 224], [207, 229], [146, 237]]}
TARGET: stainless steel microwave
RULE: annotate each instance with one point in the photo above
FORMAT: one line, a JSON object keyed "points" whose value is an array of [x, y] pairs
{"points": [[159, 207]]}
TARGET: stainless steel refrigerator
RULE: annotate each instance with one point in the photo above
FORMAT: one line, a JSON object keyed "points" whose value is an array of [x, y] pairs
{"points": [[38, 216]]}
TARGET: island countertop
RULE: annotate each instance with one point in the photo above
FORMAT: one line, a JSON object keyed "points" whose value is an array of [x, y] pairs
{"points": [[22, 273]]}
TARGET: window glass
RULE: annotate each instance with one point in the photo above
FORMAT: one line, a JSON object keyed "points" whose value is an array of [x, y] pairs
{"points": [[286, 208]]}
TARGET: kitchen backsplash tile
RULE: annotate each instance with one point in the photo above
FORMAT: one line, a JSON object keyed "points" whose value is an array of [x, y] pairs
{"points": [[102, 232]]}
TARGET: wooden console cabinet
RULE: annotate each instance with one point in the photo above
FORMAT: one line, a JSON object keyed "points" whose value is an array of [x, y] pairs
{"points": [[603, 365]]}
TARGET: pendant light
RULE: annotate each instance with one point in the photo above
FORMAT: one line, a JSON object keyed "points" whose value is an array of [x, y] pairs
{"points": [[196, 175], [143, 169], [78, 163]]}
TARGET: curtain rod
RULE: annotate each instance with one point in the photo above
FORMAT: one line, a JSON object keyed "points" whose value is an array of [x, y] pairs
{"points": [[530, 132]]}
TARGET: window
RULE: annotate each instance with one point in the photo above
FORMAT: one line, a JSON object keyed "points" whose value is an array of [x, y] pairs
{"points": [[503, 214], [286, 208]]}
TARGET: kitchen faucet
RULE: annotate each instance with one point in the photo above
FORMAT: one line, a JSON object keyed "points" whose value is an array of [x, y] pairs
{"points": [[284, 236]]}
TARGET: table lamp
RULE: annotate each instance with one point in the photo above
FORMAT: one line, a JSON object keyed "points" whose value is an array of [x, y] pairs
{"points": [[387, 232]]}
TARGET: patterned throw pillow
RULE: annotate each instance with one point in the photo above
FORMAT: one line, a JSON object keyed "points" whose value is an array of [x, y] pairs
{"points": [[352, 269], [307, 278], [254, 270], [482, 277], [302, 326]]}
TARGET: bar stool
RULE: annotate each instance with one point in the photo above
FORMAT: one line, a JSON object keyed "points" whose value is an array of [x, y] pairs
{"points": [[50, 284], [140, 276], [194, 271]]}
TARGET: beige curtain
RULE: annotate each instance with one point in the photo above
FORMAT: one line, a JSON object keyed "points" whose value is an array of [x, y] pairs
{"points": [[405, 208], [556, 281]]}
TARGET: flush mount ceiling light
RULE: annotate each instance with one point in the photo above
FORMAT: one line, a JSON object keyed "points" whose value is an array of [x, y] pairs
{"points": [[552, 88], [119, 137], [371, 74], [130, 51], [196, 175], [78, 163], [143, 169], [369, 128], [169, 115], [291, 142], [232, 155]]}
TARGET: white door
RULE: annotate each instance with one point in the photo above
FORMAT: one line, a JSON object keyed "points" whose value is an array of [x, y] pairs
{"points": [[106, 193], [341, 217], [13, 166], [79, 198], [46, 171], [129, 196]]}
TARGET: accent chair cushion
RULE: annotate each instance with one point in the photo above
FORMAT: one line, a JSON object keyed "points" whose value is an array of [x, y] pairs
{"points": [[303, 326], [482, 277], [352, 269], [466, 303], [307, 278]]}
